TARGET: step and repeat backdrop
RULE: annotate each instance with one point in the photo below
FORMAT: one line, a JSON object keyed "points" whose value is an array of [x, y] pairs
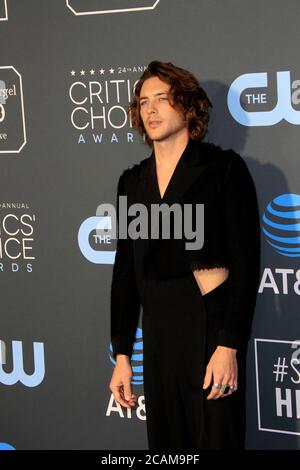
{"points": [[67, 69]]}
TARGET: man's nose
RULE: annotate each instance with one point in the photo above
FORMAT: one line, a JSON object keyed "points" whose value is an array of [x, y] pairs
{"points": [[151, 108]]}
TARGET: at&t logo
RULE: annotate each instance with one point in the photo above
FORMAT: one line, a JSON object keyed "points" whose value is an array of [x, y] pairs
{"points": [[281, 224]]}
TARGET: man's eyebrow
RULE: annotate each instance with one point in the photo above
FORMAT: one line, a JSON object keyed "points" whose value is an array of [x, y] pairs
{"points": [[156, 94]]}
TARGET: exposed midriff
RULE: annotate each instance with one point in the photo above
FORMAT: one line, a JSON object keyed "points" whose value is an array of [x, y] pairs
{"points": [[209, 279]]}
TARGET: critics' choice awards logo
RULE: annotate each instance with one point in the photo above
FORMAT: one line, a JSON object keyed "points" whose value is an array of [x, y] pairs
{"points": [[137, 379], [277, 384], [266, 99], [17, 227], [99, 97], [12, 118], [12, 364], [3, 10], [98, 7]]}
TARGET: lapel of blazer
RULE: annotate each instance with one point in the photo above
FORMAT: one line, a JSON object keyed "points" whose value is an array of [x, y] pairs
{"points": [[192, 168]]}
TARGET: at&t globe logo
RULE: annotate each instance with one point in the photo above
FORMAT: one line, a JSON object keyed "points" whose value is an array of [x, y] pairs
{"points": [[281, 224]]}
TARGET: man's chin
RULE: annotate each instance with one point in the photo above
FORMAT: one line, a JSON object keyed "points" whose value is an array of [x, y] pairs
{"points": [[157, 137]]}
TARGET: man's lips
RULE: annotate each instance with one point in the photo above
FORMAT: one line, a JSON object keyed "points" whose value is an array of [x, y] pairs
{"points": [[153, 124]]}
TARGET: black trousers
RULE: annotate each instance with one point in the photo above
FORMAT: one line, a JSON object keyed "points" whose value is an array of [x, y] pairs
{"points": [[178, 340]]}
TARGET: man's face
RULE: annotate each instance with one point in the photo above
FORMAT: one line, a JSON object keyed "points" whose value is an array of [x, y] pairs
{"points": [[161, 120]]}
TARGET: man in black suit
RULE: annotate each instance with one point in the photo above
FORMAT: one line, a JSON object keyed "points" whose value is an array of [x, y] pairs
{"points": [[171, 110]]}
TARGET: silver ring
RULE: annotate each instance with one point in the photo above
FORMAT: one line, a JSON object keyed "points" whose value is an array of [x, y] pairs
{"points": [[218, 386]]}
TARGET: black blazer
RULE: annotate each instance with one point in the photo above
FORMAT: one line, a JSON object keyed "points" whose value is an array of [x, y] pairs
{"points": [[219, 179]]}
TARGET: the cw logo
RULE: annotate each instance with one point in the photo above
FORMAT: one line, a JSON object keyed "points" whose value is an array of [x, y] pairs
{"points": [[282, 110], [18, 373], [102, 225], [79, 7]]}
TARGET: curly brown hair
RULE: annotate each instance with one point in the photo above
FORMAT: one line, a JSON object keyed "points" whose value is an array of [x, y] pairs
{"points": [[186, 93]]}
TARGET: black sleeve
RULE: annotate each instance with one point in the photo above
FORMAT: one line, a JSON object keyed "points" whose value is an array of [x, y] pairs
{"points": [[242, 236], [124, 300]]}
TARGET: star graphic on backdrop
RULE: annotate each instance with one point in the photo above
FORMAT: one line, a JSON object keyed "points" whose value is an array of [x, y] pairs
{"points": [[82, 72], [111, 70], [102, 71], [73, 72], [92, 72]]}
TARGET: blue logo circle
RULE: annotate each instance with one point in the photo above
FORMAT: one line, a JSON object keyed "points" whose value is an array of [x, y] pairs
{"points": [[5, 446], [281, 224]]}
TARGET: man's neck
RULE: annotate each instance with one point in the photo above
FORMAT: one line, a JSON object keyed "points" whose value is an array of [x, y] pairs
{"points": [[168, 152]]}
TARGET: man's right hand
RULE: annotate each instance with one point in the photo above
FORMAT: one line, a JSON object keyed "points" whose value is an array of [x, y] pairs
{"points": [[120, 383]]}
